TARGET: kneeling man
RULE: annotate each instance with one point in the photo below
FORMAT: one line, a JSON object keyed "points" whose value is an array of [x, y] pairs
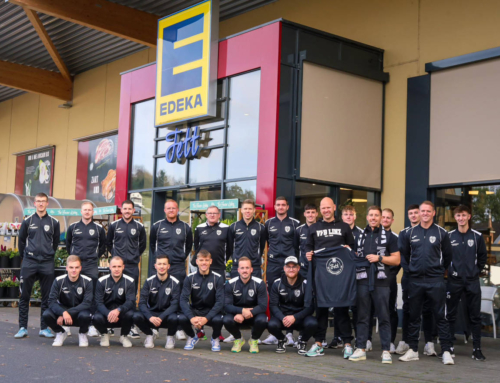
{"points": [[159, 303], [69, 303], [202, 301], [245, 304], [115, 301]]}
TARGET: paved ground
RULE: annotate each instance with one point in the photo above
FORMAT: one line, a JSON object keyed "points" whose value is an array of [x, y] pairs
{"points": [[34, 359]]}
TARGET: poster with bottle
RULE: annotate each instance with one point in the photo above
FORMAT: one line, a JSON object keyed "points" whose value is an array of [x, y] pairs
{"points": [[38, 172], [101, 176]]}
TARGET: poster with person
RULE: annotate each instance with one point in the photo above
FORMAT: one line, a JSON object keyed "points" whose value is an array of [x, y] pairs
{"points": [[101, 176]]}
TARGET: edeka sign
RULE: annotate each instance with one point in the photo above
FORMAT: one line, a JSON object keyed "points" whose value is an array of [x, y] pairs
{"points": [[188, 148], [186, 76]]}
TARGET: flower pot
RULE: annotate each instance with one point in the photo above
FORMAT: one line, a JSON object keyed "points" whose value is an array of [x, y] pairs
{"points": [[15, 262], [13, 292], [4, 262], [2, 292]]}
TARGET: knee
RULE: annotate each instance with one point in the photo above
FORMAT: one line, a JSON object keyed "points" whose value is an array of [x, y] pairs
{"points": [[84, 316], [310, 323], [138, 318], [172, 320], [182, 319], [274, 324], [98, 318], [228, 320], [217, 320], [261, 320], [48, 314]]}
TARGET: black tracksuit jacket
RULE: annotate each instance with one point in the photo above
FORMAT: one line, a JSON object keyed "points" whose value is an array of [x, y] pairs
{"points": [[72, 297], [286, 299], [86, 241], [247, 241], [202, 295], [111, 295], [280, 236], [39, 238], [239, 295], [356, 232], [469, 255], [127, 240], [173, 239], [301, 236], [214, 239], [324, 234], [160, 297]]}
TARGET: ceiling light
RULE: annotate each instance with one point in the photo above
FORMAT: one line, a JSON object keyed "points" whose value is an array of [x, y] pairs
{"points": [[344, 189], [359, 200], [66, 105], [473, 192], [490, 192]]}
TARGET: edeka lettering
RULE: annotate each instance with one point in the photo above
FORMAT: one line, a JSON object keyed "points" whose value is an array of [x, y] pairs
{"points": [[180, 105], [188, 148]]}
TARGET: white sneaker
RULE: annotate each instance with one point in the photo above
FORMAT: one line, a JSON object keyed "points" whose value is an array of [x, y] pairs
{"points": [[402, 348], [386, 357], [271, 339], [60, 338], [155, 333], [229, 339], [149, 342], [104, 340], [409, 356], [92, 332], [180, 335], [447, 359], [429, 349], [82, 340], [369, 345], [125, 341], [358, 355], [392, 350], [67, 330], [289, 340], [170, 342], [324, 343]]}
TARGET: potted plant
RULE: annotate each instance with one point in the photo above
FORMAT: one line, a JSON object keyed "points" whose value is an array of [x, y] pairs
{"points": [[4, 258], [12, 288], [15, 259]]}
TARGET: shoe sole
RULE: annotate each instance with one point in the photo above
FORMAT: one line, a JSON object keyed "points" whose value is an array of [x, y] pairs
{"points": [[149, 346], [168, 348], [215, 350], [435, 354], [280, 351], [57, 345], [387, 362], [83, 345], [357, 359], [449, 364], [409, 360], [104, 345], [253, 352], [312, 356], [235, 351]]}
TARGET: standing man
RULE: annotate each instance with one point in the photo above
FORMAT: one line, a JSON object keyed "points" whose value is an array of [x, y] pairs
{"points": [[202, 302], [245, 304], [212, 236], [115, 299], [324, 234], [427, 251], [87, 239], [349, 217], [69, 303], [38, 241], [248, 239], [311, 215], [469, 258]]}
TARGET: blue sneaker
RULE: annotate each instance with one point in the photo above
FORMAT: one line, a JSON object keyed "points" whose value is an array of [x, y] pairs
{"points": [[215, 345], [22, 333], [348, 351], [46, 333], [191, 342]]}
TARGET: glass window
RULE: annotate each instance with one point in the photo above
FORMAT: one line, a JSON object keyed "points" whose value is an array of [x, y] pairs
{"points": [[143, 146], [206, 167], [243, 130], [212, 138], [162, 146], [170, 174], [143, 204], [242, 190], [360, 199], [309, 193]]}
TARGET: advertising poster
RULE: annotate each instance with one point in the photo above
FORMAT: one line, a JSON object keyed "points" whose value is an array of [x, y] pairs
{"points": [[38, 172], [101, 176]]}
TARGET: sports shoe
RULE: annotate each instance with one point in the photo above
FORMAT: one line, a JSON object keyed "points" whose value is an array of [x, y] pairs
{"points": [[409, 356], [358, 355], [22, 333], [447, 359], [191, 342], [402, 348], [60, 338], [104, 340], [271, 339], [92, 332], [301, 348], [289, 340], [111, 332], [324, 344], [336, 343], [125, 341], [229, 339], [238, 344], [170, 342], [133, 334], [477, 354], [221, 338], [149, 342], [315, 350], [386, 357], [254, 346], [296, 343], [215, 345], [281, 348], [348, 351], [392, 349], [452, 353], [45, 333], [429, 349], [67, 330], [180, 335], [369, 346], [82, 340]]}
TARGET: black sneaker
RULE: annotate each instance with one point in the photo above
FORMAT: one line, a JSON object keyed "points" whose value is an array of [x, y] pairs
{"points": [[281, 348], [336, 343], [301, 348], [111, 332], [134, 335], [478, 355]]}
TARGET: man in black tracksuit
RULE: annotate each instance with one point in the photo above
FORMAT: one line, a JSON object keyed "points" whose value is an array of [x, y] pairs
{"points": [[286, 304], [212, 236], [115, 300], [202, 301], [280, 234], [245, 303], [469, 259], [301, 235], [248, 239], [427, 251], [329, 233], [173, 237], [38, 241], [69, 303]]}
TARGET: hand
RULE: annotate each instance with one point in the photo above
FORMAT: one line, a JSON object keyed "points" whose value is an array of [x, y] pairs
{"points": [[309, 255], [113, 316], [288, 320], [195, 321], [156, 321], [372, 258], [349, 247], [238, 318], [247, 313], [60, 321], [202, 321], [67, 319]]}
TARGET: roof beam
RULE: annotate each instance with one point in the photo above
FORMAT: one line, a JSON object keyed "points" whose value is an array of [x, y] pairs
{"points": [[49, 45], [111, 18], [35, 80]]}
